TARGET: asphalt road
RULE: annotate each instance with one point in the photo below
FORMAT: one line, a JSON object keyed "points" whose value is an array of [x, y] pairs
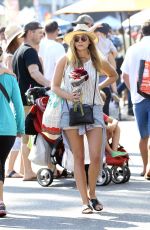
{"points": [[126, 206]]}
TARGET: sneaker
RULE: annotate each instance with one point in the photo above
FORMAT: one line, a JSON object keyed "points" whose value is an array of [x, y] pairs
{"points": [[115, 97], [118, 154], [2, 209]]}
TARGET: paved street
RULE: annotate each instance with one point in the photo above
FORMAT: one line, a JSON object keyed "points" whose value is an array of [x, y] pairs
{"points": [[126, 206]]}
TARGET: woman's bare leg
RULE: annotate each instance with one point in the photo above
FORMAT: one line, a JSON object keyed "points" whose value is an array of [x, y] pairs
{"points": [[1, 190], [116, 138], [77, 148], [94, 137]]}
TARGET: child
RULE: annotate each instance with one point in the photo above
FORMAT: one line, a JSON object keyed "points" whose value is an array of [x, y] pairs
{"points": [[113, 136]]}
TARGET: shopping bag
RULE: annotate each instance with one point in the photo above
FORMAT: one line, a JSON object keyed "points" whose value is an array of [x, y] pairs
{"points": [[40, 151], [143, 83], [52, 115]]}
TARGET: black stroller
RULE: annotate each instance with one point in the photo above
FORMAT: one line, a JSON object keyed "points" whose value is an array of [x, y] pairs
{"points": [[38, 98]]}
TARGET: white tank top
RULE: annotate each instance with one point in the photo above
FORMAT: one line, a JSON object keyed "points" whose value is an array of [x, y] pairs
{"points": [[88, 86]]}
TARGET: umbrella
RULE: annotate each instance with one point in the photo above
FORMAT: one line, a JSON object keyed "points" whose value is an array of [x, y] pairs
{"points": [[86, 6], [113, 22], [138, 18]]}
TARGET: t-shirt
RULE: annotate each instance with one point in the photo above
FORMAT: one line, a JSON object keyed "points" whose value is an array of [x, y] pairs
{"points": [[135, 53], [106, 46], [25, 56], [50, 51]]}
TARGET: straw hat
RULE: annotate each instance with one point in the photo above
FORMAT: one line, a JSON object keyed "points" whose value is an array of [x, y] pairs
{"points": [[80, 29], [11, 32]]}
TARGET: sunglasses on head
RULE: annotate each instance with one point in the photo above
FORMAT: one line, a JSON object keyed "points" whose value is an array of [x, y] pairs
{"points": [[82, 38]]}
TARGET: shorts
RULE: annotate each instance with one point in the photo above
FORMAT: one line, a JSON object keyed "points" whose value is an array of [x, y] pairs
{"points": [[25, 138], [98, 119], [142, 116], [82, 129]]}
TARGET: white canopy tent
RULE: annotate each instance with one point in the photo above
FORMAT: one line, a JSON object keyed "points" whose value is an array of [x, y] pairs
{"points": [[86, 6], [138, 18], [113, 22]]}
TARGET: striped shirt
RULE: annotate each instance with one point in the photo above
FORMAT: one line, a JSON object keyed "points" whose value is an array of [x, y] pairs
{"points": [[88, 86]]}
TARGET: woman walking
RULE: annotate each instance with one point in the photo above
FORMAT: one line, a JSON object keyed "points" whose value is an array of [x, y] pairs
{"points": [[83, 57], [11, 124]]}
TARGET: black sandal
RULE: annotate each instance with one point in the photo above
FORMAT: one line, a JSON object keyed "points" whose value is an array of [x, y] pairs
{"points": [[87, 209], [96, 205]]}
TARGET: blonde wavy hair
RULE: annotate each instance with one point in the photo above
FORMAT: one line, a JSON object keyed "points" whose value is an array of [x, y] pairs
{"points": [[75, 61]]}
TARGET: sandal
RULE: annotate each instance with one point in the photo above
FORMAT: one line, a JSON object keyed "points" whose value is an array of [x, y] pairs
{"points": [[96, 205], [66, 174], [87, 209], [142, 174], [147, 176], [13, 174]]}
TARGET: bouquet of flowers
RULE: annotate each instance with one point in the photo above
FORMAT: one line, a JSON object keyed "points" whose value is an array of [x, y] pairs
{"points": [[77, 77]]}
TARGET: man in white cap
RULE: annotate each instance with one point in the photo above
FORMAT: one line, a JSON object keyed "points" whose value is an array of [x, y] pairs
{"points": [[84, 19]]}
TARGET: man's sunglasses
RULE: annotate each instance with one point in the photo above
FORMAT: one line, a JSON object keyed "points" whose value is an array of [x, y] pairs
{"points": [[82, 38]]}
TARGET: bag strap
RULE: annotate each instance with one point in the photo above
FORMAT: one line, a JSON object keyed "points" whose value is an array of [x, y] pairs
{"points": [[4, 92], [95, 86], [94, 90]]}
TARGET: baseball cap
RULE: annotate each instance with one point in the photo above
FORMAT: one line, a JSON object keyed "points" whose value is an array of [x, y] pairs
{"points": [[30, 26], [83, 19], [105, 28]]}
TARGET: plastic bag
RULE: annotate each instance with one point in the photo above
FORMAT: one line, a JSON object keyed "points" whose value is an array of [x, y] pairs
{"points": [[40, 151]]}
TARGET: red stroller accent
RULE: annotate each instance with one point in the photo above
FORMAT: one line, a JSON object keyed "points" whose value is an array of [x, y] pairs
{"points": [[38, 99], [115, 169]]}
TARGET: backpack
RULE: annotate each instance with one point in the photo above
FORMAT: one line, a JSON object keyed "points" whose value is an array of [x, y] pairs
{"points": [[143, 82]]}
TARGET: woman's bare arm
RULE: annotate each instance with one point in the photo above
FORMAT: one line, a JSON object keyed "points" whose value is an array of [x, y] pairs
{"points": [[110, 72]]}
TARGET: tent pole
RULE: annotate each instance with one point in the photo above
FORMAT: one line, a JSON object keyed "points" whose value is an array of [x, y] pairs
{"points": [[130, 42], [122, 29]]}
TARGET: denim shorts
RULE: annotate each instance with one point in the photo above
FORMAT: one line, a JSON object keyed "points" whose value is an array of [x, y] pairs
{"points": [[97, 113], [142, 116]]}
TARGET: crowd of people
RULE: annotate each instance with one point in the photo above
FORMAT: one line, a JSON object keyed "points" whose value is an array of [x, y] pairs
{"points": [[35, 56]]}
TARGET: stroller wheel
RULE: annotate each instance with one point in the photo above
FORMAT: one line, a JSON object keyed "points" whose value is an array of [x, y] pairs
{"points": [[128, 174], [44, 177], [118, 174], [104, 178], [109, 179]]}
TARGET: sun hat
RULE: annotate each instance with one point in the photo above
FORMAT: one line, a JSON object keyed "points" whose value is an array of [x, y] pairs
{"points": [[12, 31], [30, 26], [80, 29], [83, 19]]}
